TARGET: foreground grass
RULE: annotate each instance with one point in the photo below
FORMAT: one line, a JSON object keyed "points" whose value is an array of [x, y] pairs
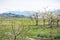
{"points": [[27, 30]]}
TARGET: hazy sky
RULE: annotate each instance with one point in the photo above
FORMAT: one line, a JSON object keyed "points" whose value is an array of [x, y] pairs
{"points": [[28, 5]]}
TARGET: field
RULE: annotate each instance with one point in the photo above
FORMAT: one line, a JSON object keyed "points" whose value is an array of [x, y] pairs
{"points": [[24, 28]]}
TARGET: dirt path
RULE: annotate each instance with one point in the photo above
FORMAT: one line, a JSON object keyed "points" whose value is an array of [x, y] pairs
{"points": [[34, 38], [39, 39]]}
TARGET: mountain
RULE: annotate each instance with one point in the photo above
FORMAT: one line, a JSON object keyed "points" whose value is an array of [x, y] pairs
{"points": [[25, 13], [56, 11], [17, 14], [11, 15], [22, 14]]}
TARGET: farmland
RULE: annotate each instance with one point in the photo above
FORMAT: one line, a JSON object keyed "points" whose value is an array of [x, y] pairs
{"points": [[25, 28]]}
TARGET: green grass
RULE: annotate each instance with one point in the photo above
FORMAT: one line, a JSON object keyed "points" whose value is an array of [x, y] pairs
{"points": [[26, 28]]}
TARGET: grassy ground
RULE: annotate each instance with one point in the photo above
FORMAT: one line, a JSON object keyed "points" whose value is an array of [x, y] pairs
{"points": [[27, 29]]}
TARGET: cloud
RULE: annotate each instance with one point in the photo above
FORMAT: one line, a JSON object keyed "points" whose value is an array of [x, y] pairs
{"points": [[8, 5]]}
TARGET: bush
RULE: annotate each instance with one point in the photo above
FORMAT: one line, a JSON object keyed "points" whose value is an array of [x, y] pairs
{"points": [[57, 37], [46, 36]]}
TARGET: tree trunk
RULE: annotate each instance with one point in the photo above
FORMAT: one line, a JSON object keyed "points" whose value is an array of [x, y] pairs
{"points": [[36, 22], [36, 19], [53, 22], [57, 23], [50, 23], [44, 22], [14, 37]]}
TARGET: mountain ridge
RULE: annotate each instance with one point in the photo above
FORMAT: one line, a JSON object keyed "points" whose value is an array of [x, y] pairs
{"points": [[22, 14]]}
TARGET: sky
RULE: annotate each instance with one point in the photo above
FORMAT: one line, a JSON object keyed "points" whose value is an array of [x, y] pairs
{"points": [[28, 5]]}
